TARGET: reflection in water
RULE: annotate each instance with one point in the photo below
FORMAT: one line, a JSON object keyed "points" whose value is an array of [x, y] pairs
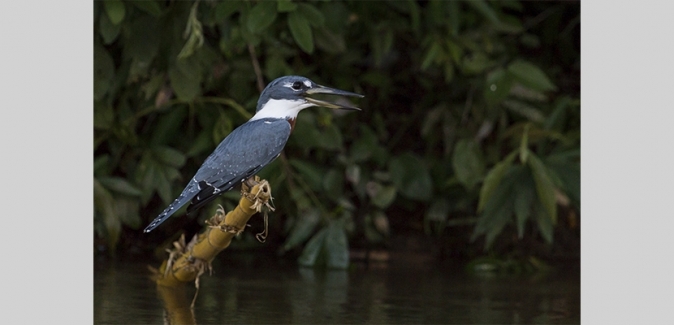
{"points": [[268, 292]]}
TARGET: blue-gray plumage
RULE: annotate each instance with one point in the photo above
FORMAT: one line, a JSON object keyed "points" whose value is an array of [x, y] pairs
{"points": [[254, 144]]}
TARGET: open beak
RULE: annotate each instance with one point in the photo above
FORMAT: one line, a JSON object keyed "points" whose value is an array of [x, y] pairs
{"points": [[318, 89]]}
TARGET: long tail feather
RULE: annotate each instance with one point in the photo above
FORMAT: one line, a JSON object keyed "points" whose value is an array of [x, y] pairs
{"points": [[188, 193]]}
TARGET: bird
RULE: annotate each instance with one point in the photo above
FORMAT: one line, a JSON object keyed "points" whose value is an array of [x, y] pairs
{"points": [[254, 144]]}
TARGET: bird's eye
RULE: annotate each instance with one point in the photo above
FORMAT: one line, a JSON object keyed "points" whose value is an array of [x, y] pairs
{"points": [[297, 85]]}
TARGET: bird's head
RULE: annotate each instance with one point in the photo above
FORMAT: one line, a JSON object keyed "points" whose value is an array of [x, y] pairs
{"points": [[284, 97]]}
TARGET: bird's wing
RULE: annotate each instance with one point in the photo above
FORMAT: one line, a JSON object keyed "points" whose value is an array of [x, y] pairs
{"points": [[242, 154]]}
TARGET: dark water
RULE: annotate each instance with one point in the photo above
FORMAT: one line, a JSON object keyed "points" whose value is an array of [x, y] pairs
{"points": [[267, 292]]}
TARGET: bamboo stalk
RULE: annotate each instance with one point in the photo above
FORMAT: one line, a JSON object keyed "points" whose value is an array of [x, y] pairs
{"points": [[187, 262]]}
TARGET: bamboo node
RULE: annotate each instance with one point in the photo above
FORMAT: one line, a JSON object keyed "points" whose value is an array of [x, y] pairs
{"points": [[261, 198], [228, 228], [215, 222]]}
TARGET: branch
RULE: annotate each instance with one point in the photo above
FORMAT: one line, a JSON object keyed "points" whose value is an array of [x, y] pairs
{"points": [[188, 261], [256, 67]]}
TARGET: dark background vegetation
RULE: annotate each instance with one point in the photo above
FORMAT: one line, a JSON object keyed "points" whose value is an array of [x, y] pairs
{"points": [[468, 142]]}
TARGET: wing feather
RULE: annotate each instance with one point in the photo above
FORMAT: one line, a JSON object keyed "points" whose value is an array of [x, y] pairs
{"points": [[240, 155]]}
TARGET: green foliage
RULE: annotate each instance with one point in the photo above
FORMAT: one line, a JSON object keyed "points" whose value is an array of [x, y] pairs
{"points": [[524, 191], [411, 177], [471, 115], [468, 163]]}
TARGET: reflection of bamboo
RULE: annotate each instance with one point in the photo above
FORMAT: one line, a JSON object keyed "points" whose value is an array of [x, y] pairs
{"points": [[177, 305], [186, 262]]}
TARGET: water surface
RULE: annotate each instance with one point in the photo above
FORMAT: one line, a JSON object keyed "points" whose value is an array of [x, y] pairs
{"points": [[265, 291]]}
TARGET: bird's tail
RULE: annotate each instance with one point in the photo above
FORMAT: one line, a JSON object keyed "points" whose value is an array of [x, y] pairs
{"points": [[188, 193], [206, 194]]}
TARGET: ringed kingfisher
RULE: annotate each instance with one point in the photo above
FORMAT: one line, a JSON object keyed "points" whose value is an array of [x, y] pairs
{"points": [[254, 144]]}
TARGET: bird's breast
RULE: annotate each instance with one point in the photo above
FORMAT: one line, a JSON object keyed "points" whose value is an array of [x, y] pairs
{"points": [[291, 121]]}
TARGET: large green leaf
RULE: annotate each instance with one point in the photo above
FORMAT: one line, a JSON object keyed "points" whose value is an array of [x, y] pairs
{"points": [[108, 30], [225, 9], [101, 163], [498, 209], [530, 112], [149, 6], [203, 143], [415, 15], [530, 75], [163, 183], [301, 31], [142, 44], [120, 185], [337, 246], [276, 66], [432, 54], [115, 10], [105, 208], [476, 64], [152, 86], [330, 41], [524, 144], [498, 86], [330, 138], [169, 156], [411, 176], [185, 78], [336, 15], [381, 196], [311, 173], [485, 10], [104, 116], [468, 163], [314, 248], [493, 179], [360, 150], [499, 220], [544, 187], [557, 118], [568, 173], [261, 16], [304, 226], [456, 51], [104, 72], [167, 127], [286, 5], [152, 176], [222, 127], [544, 222], [455, 15], [524, 195], [333, 183], [311, 14], [127, 210], [365, 145], [306, 133], [435, 12], [381, 45]]}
